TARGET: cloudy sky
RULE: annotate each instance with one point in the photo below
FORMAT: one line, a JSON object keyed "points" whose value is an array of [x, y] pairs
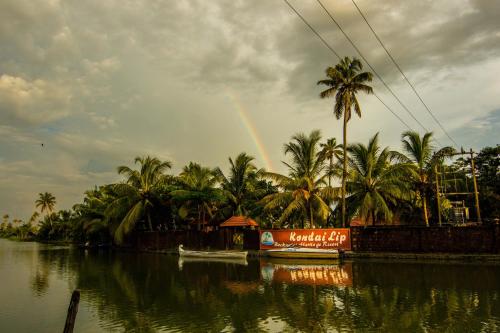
{"points": [[100, 82]]}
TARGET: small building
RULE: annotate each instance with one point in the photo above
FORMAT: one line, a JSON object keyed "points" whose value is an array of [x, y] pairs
{"points": [[240, 222]]}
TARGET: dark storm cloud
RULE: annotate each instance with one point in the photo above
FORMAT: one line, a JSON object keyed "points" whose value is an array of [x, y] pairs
{"points": [[423, 37]]}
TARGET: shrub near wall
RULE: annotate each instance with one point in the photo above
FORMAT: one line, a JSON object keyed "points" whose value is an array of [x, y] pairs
{"points": [[473, 239]]}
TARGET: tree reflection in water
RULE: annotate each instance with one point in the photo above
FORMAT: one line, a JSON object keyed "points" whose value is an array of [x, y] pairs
{"points": [[148, 293]]}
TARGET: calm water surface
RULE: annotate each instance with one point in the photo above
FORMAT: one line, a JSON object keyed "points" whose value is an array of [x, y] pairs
{"points": [[126, 292]]}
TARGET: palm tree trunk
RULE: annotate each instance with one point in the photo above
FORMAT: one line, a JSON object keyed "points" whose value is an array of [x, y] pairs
{"points": [[329, 185], [204, 213], [423, 195], [424, 205], [330, 172], [344, 171], [149, 222], [199, 217], [311, 214]]}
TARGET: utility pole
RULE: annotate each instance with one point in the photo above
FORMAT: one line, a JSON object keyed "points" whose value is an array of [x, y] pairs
{"points": [[437, 195], [476, 194]]}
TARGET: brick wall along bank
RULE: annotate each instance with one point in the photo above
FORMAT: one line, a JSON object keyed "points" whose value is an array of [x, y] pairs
{"points": [[473, 239], [480, 239]]}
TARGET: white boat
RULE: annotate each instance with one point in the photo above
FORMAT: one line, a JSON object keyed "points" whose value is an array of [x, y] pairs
{"points": [[233, 261], [303, 253], [212, 254]]}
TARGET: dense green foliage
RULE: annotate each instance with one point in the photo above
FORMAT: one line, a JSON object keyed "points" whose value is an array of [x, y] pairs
{"points": [[383, 187], [303, 194], [377, 183]]}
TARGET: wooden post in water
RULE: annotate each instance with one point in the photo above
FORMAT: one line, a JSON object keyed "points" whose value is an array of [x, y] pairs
{"points": [[72, 311]]}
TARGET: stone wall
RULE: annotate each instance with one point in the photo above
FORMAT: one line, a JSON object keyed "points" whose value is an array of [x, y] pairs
{"points": [[471, 239]]}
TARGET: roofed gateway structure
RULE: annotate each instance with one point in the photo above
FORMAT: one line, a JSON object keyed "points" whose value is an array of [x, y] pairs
{"points": [[240, 221], [237, 225]]}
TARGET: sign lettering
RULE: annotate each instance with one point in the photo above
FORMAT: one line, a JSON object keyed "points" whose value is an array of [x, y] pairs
{"points": [[310, 238]]}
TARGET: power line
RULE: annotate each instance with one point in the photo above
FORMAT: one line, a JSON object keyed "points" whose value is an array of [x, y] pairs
{"points": [[371, 67], [336, 54], [402, 73], [388, 108], [312, 29]]}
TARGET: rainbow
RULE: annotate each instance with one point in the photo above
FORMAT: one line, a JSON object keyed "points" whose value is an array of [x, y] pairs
{"points": [[245, 119]]}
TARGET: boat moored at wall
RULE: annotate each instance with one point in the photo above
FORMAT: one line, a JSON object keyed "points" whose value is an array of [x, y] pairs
{"points": [[212, 254]]}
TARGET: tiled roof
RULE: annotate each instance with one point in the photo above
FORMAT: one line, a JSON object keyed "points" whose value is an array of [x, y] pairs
{"points": [[239, 221]]}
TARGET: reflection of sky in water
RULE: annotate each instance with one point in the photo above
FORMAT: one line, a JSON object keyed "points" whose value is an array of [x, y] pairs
{"points": [[34, 297], [149, 293]]}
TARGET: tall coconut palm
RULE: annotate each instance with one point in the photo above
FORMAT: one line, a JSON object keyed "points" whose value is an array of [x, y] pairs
{"points": [[239, 185], [138, 195], [376, 182], [46, 202], [198, 189], [303, 192], [419, 152], [344, 81], [330, 150]]}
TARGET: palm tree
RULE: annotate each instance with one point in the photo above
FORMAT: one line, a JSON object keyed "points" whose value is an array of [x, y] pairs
{"points": [[198, 188], [376, 183], [239, 185], [138, 195], [33, 217], [330, 150], [46, 202], [420, 154], [303, 192], [91, 214], [345, 80]]}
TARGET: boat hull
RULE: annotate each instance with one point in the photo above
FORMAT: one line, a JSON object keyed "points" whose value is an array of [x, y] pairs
{"points": [[233, 261], [213, 254]]}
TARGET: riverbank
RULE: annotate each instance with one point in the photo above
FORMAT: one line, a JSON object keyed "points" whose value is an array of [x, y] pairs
{"points": [[454, 257], [350, 255], [50, 242]]}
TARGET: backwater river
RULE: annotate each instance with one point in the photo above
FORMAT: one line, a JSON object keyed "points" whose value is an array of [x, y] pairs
{"points": [[140, 292]]}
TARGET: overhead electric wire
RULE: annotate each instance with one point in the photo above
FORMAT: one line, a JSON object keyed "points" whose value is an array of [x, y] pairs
{"points": [[312, 29], [394, 113], [402, 73], [371, 67], [336, 54]]}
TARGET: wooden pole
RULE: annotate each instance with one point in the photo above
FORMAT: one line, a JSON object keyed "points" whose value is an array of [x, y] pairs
{"points": [[72, 311], [437, 195], [476, 194]]}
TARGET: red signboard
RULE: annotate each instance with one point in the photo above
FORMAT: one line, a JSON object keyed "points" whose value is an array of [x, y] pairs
{"points": [[311, 238]]}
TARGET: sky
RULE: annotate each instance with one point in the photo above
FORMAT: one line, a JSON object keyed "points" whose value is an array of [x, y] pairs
{"points": [[101, 82]]}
